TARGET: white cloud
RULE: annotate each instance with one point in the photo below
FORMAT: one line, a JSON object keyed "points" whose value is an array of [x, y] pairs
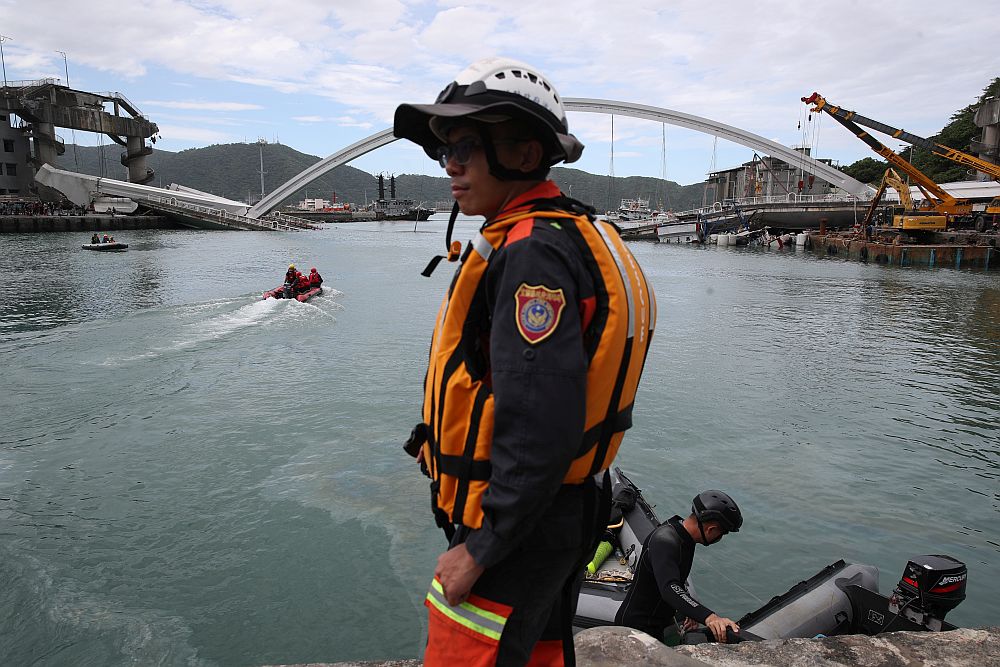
{"points": [[350, 63], [342, 121], [198, 135], [202, 106]]}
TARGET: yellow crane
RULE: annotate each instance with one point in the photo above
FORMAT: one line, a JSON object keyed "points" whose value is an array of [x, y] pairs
{"points": [[940, 206]]}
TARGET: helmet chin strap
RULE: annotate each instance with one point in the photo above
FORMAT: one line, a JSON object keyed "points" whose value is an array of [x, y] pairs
{"points": [[704, 538], [502, 173]]}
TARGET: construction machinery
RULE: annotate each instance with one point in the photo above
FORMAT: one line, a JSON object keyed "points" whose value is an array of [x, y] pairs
{"points": [[987, 215], [820, 104], [893, 180], [939, 207]]}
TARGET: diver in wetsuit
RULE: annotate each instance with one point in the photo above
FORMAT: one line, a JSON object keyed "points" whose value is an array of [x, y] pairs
{"points": [[657, 596]]}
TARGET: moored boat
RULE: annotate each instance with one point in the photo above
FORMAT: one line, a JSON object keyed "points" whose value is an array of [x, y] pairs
{"points": [[842, 598], [631, 210], [679, 232], [397, 209]]}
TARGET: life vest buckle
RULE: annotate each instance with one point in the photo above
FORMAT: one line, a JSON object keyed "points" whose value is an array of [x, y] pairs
{"points": [[455, 251]]}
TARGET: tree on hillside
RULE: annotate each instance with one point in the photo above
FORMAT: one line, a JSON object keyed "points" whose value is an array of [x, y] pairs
{"points": [[956, 134], [867, 170]]}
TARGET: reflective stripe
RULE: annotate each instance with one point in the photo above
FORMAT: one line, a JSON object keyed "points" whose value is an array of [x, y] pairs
{"points": [[476, 619], [625, 280], [482, 246]]}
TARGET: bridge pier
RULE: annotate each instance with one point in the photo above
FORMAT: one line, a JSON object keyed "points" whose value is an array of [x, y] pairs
{"points": [[46, 147], [135, 160]]}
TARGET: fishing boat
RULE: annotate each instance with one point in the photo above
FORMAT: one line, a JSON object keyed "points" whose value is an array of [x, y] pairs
{"points": [[632, 210], [113, 246], [670, 229], [397, 209], [279, 293], [842, 598]]}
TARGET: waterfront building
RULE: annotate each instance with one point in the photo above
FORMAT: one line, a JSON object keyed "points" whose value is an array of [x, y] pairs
{"points": [[15, 168], [765, 177]]}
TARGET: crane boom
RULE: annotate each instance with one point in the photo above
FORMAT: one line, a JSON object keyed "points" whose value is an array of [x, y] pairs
{"points": [[945, 201], [821, 104]]}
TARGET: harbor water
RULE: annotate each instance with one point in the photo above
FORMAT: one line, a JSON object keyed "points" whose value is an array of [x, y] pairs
{"points": [[190, 475]]}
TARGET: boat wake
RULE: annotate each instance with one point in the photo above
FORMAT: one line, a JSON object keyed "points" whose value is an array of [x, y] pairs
{"points": [[208, 323]]}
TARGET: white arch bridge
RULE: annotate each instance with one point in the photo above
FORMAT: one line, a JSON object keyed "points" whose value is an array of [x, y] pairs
{"points": [[658, 114]]}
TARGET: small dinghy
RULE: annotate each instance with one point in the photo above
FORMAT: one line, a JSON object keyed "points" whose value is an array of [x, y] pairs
{"points": [[279, 293], [105, 247], [841, 599]]}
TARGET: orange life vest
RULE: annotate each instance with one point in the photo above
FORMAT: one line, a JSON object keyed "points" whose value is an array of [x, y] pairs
{"points": [[458, 407]]}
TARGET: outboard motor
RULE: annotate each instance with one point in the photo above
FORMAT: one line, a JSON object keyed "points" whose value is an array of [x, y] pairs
{"points": [[930, 587]]}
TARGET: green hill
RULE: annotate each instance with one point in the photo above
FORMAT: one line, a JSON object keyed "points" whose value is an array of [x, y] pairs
{"points": [[232, 170]]}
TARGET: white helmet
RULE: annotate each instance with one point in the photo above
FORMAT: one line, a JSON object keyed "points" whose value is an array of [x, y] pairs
{"points": [[492, 90]]}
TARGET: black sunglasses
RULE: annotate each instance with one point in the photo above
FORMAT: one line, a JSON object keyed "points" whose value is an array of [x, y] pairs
{"points": [[461, 151]]}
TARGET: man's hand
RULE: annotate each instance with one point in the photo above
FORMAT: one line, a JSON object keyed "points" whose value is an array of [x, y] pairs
{"points": [[689, 624], [457, 571], [718, 626]]}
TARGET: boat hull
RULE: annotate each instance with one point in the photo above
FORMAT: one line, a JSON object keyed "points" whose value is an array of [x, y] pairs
{"points": [[105, 247], [603, 592], [679, 232], [279, 293]]}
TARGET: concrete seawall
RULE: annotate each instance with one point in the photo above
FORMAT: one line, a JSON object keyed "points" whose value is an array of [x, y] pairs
{"points": [[37, 224], [982, 255], [625, 647]]}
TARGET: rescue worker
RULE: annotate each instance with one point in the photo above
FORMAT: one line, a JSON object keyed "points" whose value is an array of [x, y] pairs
{"points": [[657, 597], [289, 284], [315, 280], [301, 282], [534, 365], [95, 238]]}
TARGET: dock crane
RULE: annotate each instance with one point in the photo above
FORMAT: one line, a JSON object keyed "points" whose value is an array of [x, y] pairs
{"points": [[820, 104], [942, 205]]}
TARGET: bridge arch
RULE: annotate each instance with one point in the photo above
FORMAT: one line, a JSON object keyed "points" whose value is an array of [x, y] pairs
{"points": [[659, 114]]}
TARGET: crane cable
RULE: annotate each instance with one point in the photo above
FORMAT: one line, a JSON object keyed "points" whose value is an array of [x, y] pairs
{"points": [[611, 167], [663, 165]]}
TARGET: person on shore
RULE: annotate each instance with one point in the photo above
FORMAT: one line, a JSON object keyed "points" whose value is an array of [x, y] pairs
{"points": [[95, 238], [549, 317], [657, 597], [315, 280]]}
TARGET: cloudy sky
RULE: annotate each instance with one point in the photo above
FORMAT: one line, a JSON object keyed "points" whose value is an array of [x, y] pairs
{"points": [[318, 75]]}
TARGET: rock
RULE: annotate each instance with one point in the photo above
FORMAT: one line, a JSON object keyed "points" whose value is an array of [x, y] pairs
{"points": [[618, 647], [958, 648], [625, 647]]}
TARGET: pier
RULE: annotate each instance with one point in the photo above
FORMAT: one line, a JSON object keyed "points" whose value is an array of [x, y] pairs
{"points": [[952, 250]]}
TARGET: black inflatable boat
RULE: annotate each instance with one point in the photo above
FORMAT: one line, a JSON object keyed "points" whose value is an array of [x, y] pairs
{"points": [[842, 598]]}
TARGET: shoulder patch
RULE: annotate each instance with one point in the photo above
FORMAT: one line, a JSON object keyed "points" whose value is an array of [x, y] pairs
{"points": [[538, 311]]}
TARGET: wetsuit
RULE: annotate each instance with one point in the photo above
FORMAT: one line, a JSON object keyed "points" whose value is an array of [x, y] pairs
{"points": [[657, 593]]}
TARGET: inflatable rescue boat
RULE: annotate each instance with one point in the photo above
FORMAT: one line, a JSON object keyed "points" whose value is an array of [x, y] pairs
{"points": [[842, 598], [105, 247], [279, 293]]}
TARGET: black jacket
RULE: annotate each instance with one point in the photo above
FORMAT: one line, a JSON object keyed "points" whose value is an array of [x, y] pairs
{"points": [[657, 593], [539, 393]]}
